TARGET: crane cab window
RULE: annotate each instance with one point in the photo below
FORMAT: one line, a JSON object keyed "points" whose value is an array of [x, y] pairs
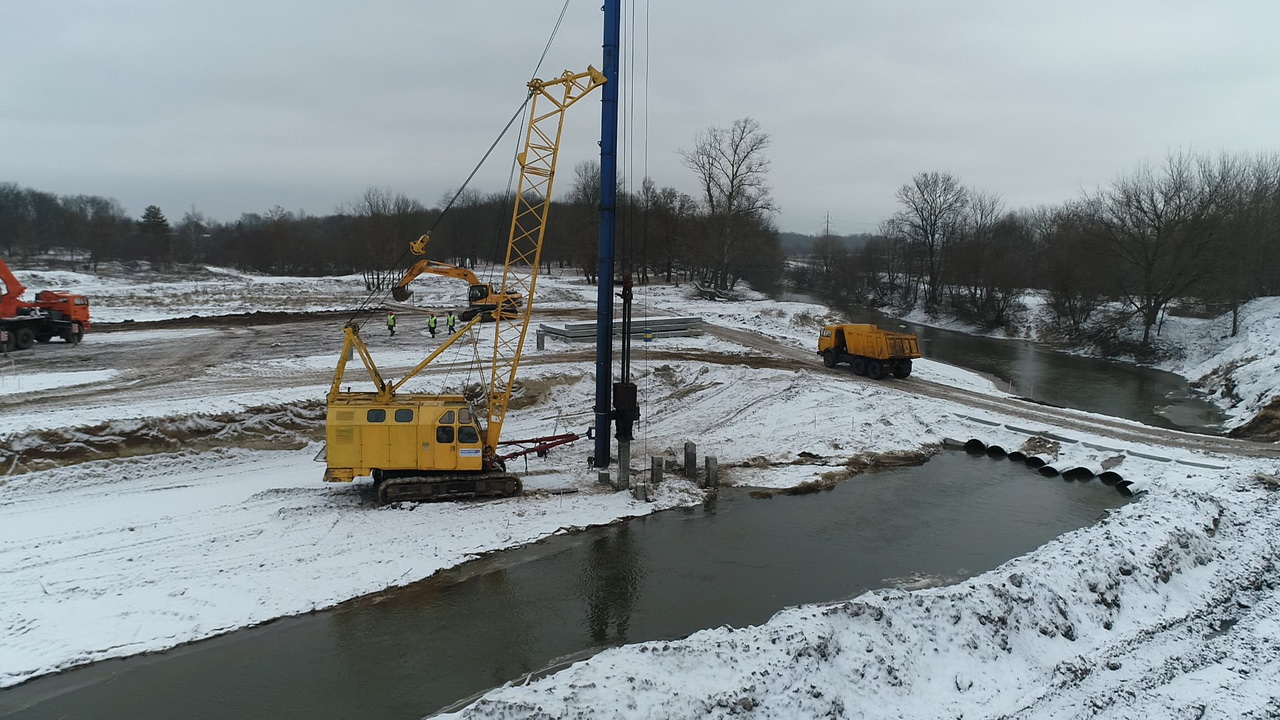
{"points": [[447, 418], [468, 434], [404, 416], [464, 417], [444, 434], [376, 416]]}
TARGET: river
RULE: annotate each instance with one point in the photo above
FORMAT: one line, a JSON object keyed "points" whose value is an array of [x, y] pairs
{"points": [[1030, 370], [737, 560]]}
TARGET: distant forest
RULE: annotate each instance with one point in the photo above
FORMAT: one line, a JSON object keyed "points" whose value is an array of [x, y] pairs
{"points": [[724, 236], [1195, 234]]}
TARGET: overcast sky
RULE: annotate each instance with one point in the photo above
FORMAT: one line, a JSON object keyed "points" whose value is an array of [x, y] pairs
{"points": [[236, 106]]}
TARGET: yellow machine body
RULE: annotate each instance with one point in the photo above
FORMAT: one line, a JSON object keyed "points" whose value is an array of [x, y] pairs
{"points": [[410, 431], [868, 350]]}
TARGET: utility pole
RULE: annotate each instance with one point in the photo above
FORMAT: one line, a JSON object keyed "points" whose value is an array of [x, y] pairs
{"points": [[608, 191]]}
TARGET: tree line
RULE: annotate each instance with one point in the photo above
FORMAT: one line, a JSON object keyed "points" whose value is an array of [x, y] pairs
{"points": [[720, 237], [1195, 234]]}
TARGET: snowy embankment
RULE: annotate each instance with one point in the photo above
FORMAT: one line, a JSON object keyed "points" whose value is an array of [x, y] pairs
{"points": [[1241, 372], [1167, 606], [1168, 601]]}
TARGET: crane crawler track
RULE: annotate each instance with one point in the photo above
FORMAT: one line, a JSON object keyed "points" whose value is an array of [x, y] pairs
{"points": [[447, 486]]}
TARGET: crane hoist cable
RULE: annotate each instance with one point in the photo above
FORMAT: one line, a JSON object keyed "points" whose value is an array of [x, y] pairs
{"points": [[381, 293], [364, 305]]}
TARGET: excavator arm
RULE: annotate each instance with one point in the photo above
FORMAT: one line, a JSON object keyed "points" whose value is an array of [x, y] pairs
{"points": [[401, 291]]}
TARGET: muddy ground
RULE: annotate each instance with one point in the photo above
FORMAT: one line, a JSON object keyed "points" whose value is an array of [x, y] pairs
{"points": [[197, 357]]}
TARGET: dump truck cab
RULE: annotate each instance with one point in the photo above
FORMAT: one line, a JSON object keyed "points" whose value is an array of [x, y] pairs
{"points": [[868, 350]]}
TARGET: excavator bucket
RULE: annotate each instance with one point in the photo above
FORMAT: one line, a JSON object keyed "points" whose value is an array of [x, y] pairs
{"points": [[401, 293]]}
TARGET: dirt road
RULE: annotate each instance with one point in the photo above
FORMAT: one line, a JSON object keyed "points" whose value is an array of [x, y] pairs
{"points": [[291, 357]]}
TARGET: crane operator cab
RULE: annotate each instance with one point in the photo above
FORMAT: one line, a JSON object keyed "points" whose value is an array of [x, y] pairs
{"points": [[414, 444]]}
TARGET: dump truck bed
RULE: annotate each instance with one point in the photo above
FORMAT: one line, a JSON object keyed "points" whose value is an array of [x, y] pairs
{"points": [[868, 350], [869, 341]]}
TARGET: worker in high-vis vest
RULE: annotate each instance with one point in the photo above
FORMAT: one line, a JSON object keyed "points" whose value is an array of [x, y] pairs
{"points": [[391, 322]]}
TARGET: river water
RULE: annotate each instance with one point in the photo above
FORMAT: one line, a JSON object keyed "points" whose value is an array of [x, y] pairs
{"points": [[412, 651], [1029, 370]]}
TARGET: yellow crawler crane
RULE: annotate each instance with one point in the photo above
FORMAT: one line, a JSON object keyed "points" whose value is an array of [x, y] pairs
{"points": [[421, 446]]}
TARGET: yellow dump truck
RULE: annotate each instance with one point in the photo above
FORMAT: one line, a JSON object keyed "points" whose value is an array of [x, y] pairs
{"points": [[869, 350]]}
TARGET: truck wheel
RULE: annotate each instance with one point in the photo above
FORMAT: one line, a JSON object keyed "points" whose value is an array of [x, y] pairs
{"points": [[829, 358], [859, 366], [75, 334], [902, 369], [24, 338], [875, 369]]}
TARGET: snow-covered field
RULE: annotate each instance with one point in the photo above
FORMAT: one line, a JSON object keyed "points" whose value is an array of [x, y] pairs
{"points": [[1167, 608]]}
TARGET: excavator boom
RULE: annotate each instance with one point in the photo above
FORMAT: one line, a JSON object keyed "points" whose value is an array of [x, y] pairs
{"points": [[481, 298]]}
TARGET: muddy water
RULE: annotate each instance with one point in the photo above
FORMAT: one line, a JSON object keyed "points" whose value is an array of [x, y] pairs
{"points": [[410, 652]]}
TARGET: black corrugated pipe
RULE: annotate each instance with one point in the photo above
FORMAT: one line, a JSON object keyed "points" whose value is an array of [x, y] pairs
{"points": [[1110, 478], [1078, 472]]}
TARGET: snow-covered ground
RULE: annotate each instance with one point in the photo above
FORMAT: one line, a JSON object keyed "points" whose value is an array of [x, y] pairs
{"points": [[1241, 373], [1167, 608]]}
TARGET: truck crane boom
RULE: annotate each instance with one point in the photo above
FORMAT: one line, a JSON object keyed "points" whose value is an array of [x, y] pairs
{"points": [[420, 446], [53, 314]]}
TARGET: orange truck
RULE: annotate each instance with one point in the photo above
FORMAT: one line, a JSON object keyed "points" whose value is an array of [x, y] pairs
{"points": [[53, 314], [869, 350]]}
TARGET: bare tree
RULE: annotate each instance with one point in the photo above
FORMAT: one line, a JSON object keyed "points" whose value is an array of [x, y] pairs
{"points": [[1069, 268], [1250, 262], [930, 220], [1161, 228], [975, 258], [669, 218], [732, 172]]}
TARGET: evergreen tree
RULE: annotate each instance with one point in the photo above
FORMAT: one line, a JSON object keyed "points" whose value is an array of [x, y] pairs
{"points": [[155, 237]]}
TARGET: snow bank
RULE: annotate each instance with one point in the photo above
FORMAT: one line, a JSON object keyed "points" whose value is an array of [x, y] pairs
{"points": [[1242, 372], [15, 383], [1063, 631]]}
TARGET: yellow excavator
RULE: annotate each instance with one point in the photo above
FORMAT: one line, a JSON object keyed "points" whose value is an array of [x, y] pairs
{"points": [[482, 300], [425, 446]]}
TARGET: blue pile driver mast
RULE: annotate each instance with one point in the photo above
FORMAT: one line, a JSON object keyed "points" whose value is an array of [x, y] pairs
{"points": [[608, 193]]}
